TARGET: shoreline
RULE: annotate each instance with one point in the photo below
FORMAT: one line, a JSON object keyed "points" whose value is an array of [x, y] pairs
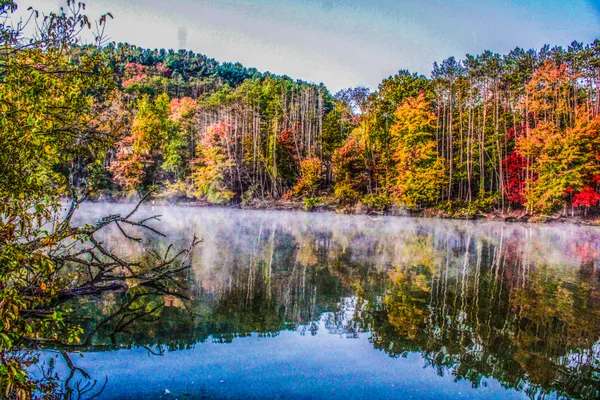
{"points": [[517, 216]]}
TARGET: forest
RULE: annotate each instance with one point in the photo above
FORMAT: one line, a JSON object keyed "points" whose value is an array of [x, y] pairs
{"points": [[486, 132]]}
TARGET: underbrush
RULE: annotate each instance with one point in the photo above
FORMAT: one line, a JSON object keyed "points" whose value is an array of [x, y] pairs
{"points": [[458, 208]]}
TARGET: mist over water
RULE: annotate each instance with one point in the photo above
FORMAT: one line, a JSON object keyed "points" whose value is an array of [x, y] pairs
{"points": [[551, 243], [283, 304]]}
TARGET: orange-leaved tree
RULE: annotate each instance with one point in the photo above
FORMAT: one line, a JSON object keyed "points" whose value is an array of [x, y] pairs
{"points": [[561, 143], [210, 168]]}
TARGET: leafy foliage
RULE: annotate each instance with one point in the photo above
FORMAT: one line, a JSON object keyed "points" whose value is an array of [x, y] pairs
{"points": [[421, 172], [210, 168], [310, 177], [56, 130]]}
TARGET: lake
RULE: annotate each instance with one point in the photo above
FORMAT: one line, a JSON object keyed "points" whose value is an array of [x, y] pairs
{"points": [[306, 305]]}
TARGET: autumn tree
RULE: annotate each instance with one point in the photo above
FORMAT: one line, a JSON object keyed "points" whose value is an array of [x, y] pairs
{"points": [[420, 170], [310, 177], [54, 102], [211, 167], [349, 169], [183, 112], [565, 163], [561, 143], [152, 139], [49, 117], [179, 146]]}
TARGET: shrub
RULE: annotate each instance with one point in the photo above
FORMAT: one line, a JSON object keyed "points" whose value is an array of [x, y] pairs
{"points": [[344, 194], [457, 208], [310, 203], [175, 190], [376, 202], [217, 194]]}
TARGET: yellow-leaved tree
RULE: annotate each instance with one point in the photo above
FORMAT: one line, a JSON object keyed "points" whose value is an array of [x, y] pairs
{"points": [[420, 171], [310, 177]]}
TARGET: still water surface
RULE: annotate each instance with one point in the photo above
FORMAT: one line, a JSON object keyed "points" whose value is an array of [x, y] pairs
{"points": [[299, 305]]}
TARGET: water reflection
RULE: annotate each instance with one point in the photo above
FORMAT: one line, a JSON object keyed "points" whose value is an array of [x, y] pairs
{"points": [[517, 304]]}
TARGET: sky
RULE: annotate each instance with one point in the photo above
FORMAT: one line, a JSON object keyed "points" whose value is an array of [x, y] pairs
{"points": [[345, 43]]}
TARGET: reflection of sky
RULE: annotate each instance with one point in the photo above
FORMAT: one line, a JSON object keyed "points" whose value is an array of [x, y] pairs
{"points": [[287, 366], [347, 42]]}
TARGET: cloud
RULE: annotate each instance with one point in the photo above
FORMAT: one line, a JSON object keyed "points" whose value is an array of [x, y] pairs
{"points": [[346, 43]]}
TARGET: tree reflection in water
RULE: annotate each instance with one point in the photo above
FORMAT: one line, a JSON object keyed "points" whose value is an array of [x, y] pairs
{"points": [[516, 303]]}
